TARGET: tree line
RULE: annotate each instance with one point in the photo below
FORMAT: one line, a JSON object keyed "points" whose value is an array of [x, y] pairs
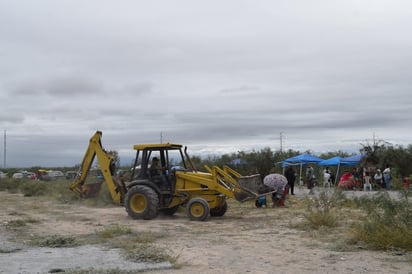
{"points": [[265, 161]]}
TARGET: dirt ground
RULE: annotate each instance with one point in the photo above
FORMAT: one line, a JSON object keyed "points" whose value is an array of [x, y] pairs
{"points": [[245, 240]]}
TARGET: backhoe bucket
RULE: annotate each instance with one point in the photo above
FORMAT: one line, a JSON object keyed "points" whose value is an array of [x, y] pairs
{"points": [[90, 190]]}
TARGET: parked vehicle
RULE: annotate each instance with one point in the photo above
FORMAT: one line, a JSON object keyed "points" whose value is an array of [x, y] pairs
{"points": [[71, 175], [17, 175], [30, 175], [50, 175], [3, 175]]}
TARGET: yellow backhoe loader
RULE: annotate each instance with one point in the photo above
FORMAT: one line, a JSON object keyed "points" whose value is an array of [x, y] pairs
{"points": [[174, 183]]}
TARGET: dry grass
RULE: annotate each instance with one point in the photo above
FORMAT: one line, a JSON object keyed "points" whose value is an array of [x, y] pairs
{"points": [[388, 222]]}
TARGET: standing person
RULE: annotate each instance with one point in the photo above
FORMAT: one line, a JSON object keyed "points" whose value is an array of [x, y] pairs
{"points": [[355, 178], [378, 178], [290, 174], [326, 170], [310, 178], [326, 178], [387, 177]]}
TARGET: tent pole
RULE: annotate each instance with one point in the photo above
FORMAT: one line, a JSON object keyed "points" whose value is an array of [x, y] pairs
{"points": [[337, 174]]}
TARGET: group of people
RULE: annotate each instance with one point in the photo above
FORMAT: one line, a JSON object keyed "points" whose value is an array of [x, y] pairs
{"points": [[369, 179], [383, 179], [357, 180]]}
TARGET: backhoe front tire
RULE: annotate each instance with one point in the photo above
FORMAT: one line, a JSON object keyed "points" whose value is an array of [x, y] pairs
{"points": [[219, 211], [141, 202], [197, 209]]}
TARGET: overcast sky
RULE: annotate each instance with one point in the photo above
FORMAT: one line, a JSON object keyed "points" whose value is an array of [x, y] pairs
{"points": [[217, 76]]}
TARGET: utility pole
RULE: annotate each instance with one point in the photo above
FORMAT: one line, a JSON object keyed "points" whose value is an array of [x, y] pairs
{"points": [[161, 137], [4, 152], [281, 142]]}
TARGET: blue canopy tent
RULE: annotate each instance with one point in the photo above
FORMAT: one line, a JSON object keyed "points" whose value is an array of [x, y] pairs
{"points": [[303, 158], [352, 160], [300, 160], [339, 161], [334, 161]]}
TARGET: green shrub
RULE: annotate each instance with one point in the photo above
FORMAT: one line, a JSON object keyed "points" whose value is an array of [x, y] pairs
{"points": [[149, 253], [19, 223], [33, 188], [10, 185], [388, 222], [322, 209], [116, 230], [56, 241]]}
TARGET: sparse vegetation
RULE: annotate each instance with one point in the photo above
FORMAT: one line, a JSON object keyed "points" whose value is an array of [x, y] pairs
{"points": [[112, 231], [19, 223], [101, 271], [138, 247], [322, 210], [388, 222], [149, 253], [10, 185], [6, 251], [34, 188], [55, 241]]}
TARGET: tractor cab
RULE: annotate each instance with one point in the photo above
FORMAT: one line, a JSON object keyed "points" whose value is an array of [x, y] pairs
{"points": [[156, 164]]}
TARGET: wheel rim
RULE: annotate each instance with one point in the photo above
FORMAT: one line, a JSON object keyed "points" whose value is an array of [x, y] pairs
{"points": [[197, 210], [138, 203]]}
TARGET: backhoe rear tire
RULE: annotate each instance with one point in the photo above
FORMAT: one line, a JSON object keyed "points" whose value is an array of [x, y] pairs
{"points": [[197, 209], [141, 202]]}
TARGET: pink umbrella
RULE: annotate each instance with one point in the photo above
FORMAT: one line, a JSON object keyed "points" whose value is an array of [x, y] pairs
{"points": [[275, 181]]}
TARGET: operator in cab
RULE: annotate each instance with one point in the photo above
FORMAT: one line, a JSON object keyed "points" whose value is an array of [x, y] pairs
{"points": [[155, 168]]}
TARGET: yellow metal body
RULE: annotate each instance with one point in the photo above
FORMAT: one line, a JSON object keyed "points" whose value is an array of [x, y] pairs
{"points": [[197, 190], [213, 186]]}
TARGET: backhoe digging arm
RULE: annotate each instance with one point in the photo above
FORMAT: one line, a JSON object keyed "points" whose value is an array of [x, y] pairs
{"points": [[107, 166]]}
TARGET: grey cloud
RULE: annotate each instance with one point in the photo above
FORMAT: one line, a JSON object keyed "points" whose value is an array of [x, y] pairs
{"points": [[242, 89], [321, 72], [11, 118], [74, 86], [138, 89]]}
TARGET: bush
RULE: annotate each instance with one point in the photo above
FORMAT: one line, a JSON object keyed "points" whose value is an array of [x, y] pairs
{"points": [[56, 241], [11, 185], [322, 209], [33, 188], [388, 222]]}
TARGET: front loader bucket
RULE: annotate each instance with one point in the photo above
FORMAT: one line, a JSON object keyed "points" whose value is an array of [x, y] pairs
{"points": [[244, 188], [249, 187], [244, 195], [253, 184]]}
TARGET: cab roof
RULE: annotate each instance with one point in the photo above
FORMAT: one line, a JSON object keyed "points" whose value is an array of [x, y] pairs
{"points": [[157, 146]]}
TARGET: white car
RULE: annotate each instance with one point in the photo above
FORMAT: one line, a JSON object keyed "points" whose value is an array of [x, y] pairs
{"points": [[17, 175], [3, 175], [56, 174]]}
